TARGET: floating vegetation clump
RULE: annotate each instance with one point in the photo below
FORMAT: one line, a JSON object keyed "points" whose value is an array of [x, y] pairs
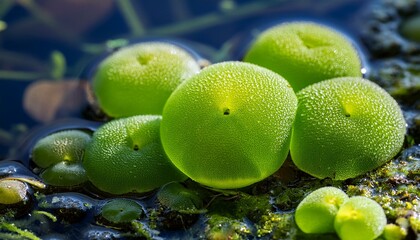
{"points": [[85, 174]]}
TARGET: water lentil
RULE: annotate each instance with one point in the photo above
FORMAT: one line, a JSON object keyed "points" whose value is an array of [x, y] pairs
{"points": [[262, 211]]}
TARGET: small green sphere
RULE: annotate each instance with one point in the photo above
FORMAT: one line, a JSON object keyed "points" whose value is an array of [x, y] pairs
{"points": [[229, 126], [360, 218], [126, 155], [138, 79], [305, 53], [345, 127], [61, 154], [64, 146], [316, 212], [394, 232]]}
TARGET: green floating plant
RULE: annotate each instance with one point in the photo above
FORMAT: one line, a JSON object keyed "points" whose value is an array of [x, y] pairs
{"points": [[394, 232], [12, 191], [317, 211], [360, 216], [138, 79], [178, 198], [305, 53], [60, 155], [229, 126], [121, 211], [64, 174], [15, 189], [345, 127], [126, 155]]}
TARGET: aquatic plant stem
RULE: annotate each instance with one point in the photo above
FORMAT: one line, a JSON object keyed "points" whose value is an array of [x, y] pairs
{"points": [[45, 17], [6, 138], [23, 76], [180, 9], [127, 10], [212, 19], [5, 6], [36, 11]]}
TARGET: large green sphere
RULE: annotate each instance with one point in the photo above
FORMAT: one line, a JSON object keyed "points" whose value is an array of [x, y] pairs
{"points": [[126, 155], [305, 53], [138, 79], [229, 126], [345, 127]]}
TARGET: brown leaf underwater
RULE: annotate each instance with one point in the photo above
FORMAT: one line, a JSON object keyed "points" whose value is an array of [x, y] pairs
{"points": [[46, 100]]}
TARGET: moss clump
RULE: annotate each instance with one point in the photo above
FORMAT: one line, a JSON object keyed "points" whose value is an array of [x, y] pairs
{"points": [[178, 198], [221, 227]]}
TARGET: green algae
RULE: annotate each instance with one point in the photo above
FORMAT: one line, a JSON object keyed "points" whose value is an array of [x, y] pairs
{"points": [[222, 227], [395, 186], [178, 198]]}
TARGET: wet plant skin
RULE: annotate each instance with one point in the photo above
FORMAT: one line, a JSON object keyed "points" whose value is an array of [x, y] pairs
{"points": [[60, 156], [264, 210], [345, 127], [317, 211], [360, 215], [12, 191], [229, 126], [289, 47], [120, 213], [139, 78], [126, 155]]}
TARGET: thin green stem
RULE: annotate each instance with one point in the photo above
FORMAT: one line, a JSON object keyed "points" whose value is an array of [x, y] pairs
{"points": [[5, 6], [22, 76], [6, 138], [38, 12], [23, 61], [213, 19], [180, 9], [3, 25], [45, 18], [127, 9]]}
